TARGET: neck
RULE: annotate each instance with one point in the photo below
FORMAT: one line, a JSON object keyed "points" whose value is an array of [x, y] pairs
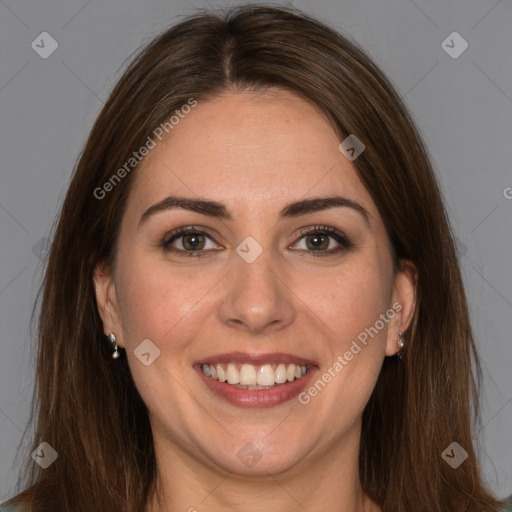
{"points": [[326, 482]]}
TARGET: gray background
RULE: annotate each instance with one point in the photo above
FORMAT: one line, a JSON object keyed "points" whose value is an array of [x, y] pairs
{"points": [[462, 105]]}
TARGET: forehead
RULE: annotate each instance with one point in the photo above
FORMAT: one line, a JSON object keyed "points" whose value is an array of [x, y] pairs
{"points": [[249, 148]]}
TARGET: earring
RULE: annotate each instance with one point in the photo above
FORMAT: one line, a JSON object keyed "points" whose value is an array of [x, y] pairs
{"points": [[401, 343], [112, 339]]}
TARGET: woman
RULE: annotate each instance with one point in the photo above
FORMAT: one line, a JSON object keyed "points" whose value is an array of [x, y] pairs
{"points": [[252, 296]]}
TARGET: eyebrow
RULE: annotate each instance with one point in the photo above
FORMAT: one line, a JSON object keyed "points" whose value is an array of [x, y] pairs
{"points": [[219, 210]]}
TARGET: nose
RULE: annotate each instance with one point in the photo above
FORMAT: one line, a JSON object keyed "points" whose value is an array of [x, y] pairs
{"points": [[257, 297]]}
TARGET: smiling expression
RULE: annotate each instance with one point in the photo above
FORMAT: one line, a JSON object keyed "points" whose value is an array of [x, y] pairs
{"points": [[250, 251]]}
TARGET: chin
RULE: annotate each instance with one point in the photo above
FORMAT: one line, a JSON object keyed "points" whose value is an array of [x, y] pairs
{"points": [[252, 459]]}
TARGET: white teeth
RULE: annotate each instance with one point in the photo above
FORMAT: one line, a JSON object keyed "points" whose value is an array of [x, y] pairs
{"points": [[266, 376], [254, 377], [221, 374], [233, 375], [281, 376], [248, 375]]}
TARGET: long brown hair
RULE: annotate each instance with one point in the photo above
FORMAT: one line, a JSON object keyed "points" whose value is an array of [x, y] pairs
{"points": [[88, 408]]}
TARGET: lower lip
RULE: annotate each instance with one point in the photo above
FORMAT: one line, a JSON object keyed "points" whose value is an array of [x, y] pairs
{"points": [[257, 398]]}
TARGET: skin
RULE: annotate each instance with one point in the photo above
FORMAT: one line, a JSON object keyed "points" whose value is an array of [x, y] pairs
{"points": [[254, 153]]}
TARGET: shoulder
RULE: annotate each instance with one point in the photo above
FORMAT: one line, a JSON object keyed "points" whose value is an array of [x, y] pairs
{"points": [[5, 507], [507, 506]]}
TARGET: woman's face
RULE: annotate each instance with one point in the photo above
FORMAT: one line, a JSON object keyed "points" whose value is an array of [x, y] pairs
{"points": [[248, 290]]}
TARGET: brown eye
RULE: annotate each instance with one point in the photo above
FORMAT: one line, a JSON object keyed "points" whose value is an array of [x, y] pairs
{"points": [[188, 241], [318, 240], [193, 241]]}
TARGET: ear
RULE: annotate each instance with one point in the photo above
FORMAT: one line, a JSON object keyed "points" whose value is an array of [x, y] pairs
{"points": [[106, 299], [404, 303]]}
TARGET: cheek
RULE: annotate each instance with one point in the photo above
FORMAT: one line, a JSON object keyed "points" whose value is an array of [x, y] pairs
{"points": [[351, 305], [163, 303], [349, 300], [156, 302]]}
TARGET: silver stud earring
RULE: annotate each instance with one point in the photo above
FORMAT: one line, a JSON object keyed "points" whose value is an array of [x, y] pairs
{"points": [[112, 339], [401, 343]]}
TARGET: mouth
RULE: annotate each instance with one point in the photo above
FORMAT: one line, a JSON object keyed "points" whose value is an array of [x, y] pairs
{"points": [[249, 380], [249, 376]]}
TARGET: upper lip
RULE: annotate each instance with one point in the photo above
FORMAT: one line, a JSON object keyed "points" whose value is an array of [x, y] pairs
{"points": [[256, 359]]}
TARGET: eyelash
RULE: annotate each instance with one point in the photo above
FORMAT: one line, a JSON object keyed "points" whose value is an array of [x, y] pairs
{"points": [[340, 237]]}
